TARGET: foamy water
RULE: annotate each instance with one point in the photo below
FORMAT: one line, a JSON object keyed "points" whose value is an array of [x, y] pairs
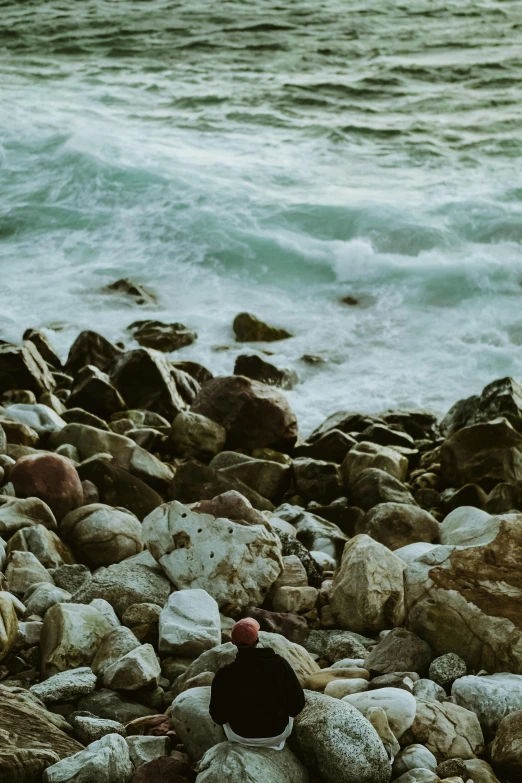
{"points": [[251, 156]]}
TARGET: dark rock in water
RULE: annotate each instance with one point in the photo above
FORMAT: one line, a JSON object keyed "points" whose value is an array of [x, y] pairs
{"points": [[193, 482], [289, 625], [118, 487], [317, 480], [468, 495], [312, 359], [22, 367], [140, 293], [333, 446], [91, 348], [258, 370], [195, 370], [145, 379], [51, 478], [94, 393], [249, 329], [253, 414], [80, 416], [160, 336], [345, 421], [340, 513], [397, 524], [486, 453], [503, 498], [373, 486], [291, 546], [502, 397], [386, 436], [352, 301], [400, 651], [44, 347]]}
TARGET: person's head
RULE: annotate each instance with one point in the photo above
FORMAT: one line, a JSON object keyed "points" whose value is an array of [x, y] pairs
{"points": [[245, 633]]}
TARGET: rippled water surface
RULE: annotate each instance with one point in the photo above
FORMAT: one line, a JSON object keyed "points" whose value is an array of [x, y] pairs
{"points": [[273, 157]]}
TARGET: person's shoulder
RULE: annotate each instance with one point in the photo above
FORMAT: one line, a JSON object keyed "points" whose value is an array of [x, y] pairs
{"points": [[223, 672]]}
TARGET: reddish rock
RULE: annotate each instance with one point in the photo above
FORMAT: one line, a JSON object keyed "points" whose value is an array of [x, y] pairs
{"points": [[164, 770], [151, 726], [253, 414], [289, 625], [51, 478]]}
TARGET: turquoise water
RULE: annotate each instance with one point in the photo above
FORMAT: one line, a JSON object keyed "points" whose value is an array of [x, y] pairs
{"points": [[274, 158]]}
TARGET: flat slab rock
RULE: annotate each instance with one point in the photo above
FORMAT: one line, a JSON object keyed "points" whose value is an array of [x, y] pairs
{"points": [[66, 686]]}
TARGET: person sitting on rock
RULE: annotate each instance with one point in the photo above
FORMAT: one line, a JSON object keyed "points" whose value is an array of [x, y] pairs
{"points": [[257, 696]]}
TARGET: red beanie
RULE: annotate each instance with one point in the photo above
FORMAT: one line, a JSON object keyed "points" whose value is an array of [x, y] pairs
{"points": [[245, 632]]}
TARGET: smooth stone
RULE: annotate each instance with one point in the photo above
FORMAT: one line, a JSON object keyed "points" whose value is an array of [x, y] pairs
{"points": [[189, 624], [399, 705], [193, 724], [71, 635], [491, 698], [338, 689], [414, 757]]}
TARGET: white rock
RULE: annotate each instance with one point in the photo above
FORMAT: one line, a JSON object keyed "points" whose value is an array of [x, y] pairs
{"points": [[189, 624], [491, 698], [293, 573], [235, 563], [468, 526], [420, 775], [294, 599], [71, 635], [447, 730], [411, 552], [39, 418], [137, 669], [414, 757], [193, 724], [105, 761], [106, 610], [17, 513], [24, 570], [145, 749], [399, 705], [338, 689], [372, 455], [229, 762], [346, 663], [428, 690], [117, 643], [325, 561], [65, 686]]}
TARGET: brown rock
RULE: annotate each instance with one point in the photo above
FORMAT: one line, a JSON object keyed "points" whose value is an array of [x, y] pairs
{"points": [[140, 293], [118, 487], [25, 766], [22, 367], [400, 651], [333, 446], [447, 730], [194, 482], [506, 751], [248, 328], [51, 478], [502, 397], [164, 770], [254, 415], [91, 348], [44, 347], [291, 626], [398, 524]]}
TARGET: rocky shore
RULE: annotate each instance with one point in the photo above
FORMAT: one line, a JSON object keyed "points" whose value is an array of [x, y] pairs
{"points": [[145, 506]]}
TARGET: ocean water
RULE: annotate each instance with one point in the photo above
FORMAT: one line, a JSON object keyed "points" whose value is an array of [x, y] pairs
{"points": [[272, 157]]}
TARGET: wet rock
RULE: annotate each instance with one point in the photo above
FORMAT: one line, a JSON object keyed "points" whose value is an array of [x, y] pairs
{"points": [[71, 635], [386, 436], [162, 337], [248, 329], [195, 436], [367, 594], [400, 651], [233, 562], [146, 380], [22, 367], [373, 486], [189, 624], [118, 487], [91, 348], [253, 414], [43, 346], [193, 724], [230, 761], [194, 482], [397, 524], [258, 370], [93, 392], [336, 739], [50, 478], [140, 294], [197, 371], [101, 535], [107, 761], [65, 686], [447, 730]]}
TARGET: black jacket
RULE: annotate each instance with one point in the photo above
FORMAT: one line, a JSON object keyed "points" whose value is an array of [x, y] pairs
{"points": [[256, 694]]}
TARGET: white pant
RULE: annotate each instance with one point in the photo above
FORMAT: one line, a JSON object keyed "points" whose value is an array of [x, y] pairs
{"points": [[276, 743]]}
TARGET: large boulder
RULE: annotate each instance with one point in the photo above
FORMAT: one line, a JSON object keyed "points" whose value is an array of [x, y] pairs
{"points": [[22, 367], [118, 487], [506, 751], [482, 453], [334, 738], [367, 594], [447, 730], [491, 698], [397, 524], [147, 380], [502, 397], [192, 722], [105, 761], [467, 526], [254, 415], [467, 600], [189, 624], [50, 478], [235, 563], [101, 535], [71, 635], [230, 761]]}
